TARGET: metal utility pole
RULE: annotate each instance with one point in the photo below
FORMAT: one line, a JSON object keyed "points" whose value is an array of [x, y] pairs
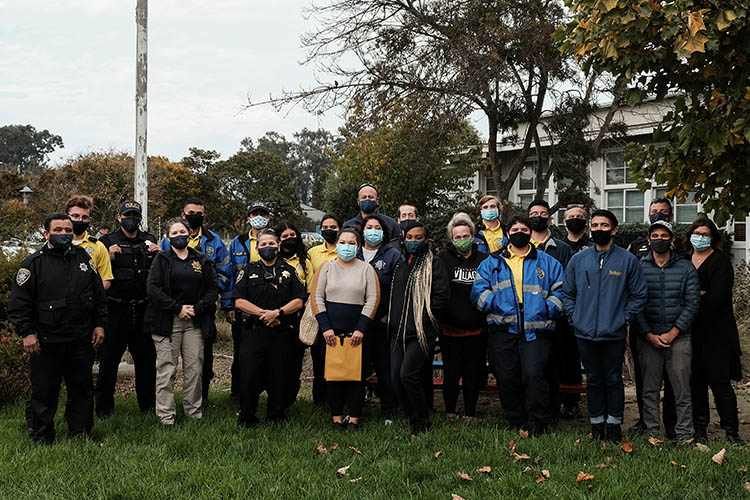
{"points": [[141, 107]]}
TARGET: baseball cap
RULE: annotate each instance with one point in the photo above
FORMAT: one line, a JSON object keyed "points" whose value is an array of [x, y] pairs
{"points": [[130, 206]]}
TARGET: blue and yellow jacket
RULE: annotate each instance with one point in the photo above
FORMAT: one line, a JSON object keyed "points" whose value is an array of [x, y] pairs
{"points": [[603, 292], [212, 246], [481, 239], [494, 292]]}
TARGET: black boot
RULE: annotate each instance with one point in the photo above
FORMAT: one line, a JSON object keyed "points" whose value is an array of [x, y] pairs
{"points": [[540, 429], [734, 438], [700, 435], [598, 431], [614, 433]]}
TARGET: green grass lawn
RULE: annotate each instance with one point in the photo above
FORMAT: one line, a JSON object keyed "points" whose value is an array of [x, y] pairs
{"points": [[131, 456]]}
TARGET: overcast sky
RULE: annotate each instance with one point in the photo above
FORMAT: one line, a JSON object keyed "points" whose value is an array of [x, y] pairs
{"points": [[69, 67]]}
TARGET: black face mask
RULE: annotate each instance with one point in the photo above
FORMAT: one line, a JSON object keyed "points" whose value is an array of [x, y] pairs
{"points": [[575, 226], [80, 227], [289, 245], [179, 242], [539, 223], [268, 253], [404, 222], [519, 239], [130, 224], [657, 217], [195, 220], [661, 246], [601, 237], [61, 241], [329, 235]]}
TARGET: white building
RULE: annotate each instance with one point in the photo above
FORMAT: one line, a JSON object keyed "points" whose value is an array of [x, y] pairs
{"points": [[610, 174]]}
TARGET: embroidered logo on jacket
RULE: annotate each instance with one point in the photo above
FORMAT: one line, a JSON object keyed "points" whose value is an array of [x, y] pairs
{"points": [[615, 273], [539, 273], [239, 276], [197, 266], [22, 276]]}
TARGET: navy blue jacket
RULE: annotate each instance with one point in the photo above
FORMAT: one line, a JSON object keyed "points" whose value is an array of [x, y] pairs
{"points": [[603, 292], [558, 249], [385, 261], [673, 295]]}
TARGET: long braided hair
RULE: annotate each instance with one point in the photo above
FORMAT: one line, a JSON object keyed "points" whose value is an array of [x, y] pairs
{"points": [[417, 294]]}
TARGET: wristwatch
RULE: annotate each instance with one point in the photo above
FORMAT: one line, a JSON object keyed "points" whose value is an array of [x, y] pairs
{"points": [[281, 311]]}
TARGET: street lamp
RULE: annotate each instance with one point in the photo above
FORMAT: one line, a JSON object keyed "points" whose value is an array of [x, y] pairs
{"points": [[26, 192]]}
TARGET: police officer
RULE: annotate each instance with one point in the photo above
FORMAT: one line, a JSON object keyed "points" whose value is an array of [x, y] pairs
{"points": [[244, 249], [59, 307], [131, 252], [267, 293], [212, 246]]}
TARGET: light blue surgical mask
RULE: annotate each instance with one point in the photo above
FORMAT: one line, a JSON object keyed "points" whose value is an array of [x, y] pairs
{"points": [[700, 242], [374, 236], [490, 214], [346, 252]]}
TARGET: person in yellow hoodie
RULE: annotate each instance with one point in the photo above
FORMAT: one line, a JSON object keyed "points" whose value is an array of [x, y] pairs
{"points": [[78, 208]]}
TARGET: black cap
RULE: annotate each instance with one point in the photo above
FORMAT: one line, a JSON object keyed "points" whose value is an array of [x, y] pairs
{"points": [[130, 206]]}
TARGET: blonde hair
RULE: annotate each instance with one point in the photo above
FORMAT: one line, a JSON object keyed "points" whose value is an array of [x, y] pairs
{"points": [[488, 197], [419, 286], [458, 220]]}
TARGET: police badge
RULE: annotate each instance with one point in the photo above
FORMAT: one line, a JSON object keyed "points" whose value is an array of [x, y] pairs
{"points": [[539, 273], [83, 267], [22, 276]]}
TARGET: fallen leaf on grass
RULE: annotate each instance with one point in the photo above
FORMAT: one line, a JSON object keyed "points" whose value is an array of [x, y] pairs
{"points": [[655, 441], [537, 460], [486, 469], [355, 450], [702, 447], [356, 479], [526, 469], [455, 428], [522, 456], [334, 446], [577, 442], [627, 446], [456, 497], [719, 457], [464, 476], [742, 468], [321, 449], [438, 454], [543, 477], [747, 486], [604, 447], [582, 476], [343, 471], [679, 465], [512, 446], [523, 433]]}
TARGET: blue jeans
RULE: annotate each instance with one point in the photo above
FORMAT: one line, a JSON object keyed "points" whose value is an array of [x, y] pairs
{"points": [[604, 388]]}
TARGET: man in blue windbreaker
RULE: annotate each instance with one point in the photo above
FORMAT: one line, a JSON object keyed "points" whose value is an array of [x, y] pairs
{"points": [[519, 289], [213, 247], [604, 291]]}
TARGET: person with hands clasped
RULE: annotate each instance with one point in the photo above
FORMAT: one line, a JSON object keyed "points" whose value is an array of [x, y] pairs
{"points": [[58, 305], [266, 295], [665, 326], [183, 290], [345, 295]]}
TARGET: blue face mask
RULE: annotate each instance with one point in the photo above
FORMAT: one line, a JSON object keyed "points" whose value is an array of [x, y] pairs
{"points": [[346, 252], [490, 214], [61, 241], [368, 206], [700, 242], [374, 236], [415, 247]]}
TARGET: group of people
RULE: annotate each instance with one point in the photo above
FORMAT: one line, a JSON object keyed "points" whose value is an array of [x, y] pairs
{"points": [[380, 296]]}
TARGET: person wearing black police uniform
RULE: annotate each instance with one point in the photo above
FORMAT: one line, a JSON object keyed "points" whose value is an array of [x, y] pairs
{"points": [[266, 293], [131, 252], [659, 209], [58, 305]]}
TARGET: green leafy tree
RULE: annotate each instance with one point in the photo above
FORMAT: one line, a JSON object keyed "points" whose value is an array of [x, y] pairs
{"points": [[699, 50], [25, 150], [229, 186]]}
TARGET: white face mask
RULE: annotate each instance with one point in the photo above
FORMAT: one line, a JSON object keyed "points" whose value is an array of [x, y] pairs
{"points": [[258, 222]]}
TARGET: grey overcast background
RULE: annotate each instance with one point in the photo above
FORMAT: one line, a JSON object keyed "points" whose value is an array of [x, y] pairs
{"points": [[69, 66]]}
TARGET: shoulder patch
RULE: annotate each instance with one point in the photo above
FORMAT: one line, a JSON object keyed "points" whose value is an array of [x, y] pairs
{"points": [[539, 273], [22, 276], [239, 276], [93, 266], [210, 250]]}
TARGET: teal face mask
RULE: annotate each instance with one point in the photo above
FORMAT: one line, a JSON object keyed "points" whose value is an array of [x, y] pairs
{"points": [[490, 214], [415, 247], [346, 252]]}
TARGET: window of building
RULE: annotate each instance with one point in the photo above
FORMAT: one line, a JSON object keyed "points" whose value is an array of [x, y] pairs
{"points": [[489, 184], [626, 204], [617, 171], [684, 212]]}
